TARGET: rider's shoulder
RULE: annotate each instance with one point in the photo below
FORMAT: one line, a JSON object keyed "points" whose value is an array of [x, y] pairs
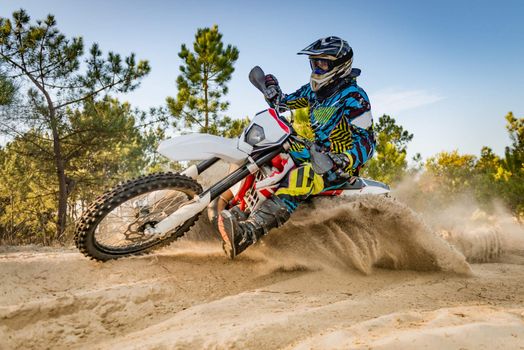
{"points": [[353, 92], [351, 88], [305, 90]]}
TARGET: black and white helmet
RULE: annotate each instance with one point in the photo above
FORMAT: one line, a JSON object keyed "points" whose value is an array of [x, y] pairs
{"points": [[330, 58]]}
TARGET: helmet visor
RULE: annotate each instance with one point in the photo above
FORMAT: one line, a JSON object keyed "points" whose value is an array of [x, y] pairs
{"points": [[320, 65]]}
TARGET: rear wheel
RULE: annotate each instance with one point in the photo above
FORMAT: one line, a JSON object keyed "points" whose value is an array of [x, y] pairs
{"points": [[115, 224]]}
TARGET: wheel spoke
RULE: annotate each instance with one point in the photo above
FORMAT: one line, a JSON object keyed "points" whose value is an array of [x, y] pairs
{"points": [[114, 225], [125, 225]]}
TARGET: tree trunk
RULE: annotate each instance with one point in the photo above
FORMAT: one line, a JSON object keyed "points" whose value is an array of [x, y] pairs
{"points": [[206, 107], [59, 160], [60, 173]]}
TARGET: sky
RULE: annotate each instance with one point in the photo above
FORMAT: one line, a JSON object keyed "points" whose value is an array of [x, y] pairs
{"points": [[447, 71]]}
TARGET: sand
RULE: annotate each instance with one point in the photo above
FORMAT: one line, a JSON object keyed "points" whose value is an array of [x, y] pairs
{"points": [[367, 273]]}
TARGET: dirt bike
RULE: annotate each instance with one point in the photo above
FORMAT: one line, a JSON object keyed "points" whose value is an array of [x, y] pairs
{"points": [[152, 211]]}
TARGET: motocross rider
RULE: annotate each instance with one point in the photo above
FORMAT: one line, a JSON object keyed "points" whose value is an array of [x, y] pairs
{"points": [[340, 118]]}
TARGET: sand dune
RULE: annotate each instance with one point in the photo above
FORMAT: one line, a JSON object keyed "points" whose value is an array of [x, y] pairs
{"points": [[359, 274]]}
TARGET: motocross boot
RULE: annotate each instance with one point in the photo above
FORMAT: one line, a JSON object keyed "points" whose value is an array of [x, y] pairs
{"points": [[238, 235]]}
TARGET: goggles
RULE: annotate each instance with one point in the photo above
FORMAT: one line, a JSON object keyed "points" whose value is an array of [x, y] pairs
{"points": [[320, 65]]}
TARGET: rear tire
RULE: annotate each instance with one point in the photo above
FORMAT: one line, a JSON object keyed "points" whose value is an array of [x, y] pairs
{"points": [[87, 237]]}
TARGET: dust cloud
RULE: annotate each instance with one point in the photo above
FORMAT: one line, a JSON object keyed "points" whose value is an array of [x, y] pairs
{"points": [[481, 235], [397, 232], [359, 233]]}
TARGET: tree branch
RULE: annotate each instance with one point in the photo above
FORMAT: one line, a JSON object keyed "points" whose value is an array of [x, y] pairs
{"points": [[28, 140], [91, 94], [40, 55], [189, 116]]}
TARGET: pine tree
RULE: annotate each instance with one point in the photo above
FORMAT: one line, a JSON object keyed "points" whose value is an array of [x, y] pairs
{"points": [[513, 165], [389, 163], [301, 123], [47, 64], [205, 72], [103, 145], [7, 90], [515, 153]]}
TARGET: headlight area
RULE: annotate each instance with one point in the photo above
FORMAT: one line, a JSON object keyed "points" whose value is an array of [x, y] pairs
{"points": [[255, 135]]}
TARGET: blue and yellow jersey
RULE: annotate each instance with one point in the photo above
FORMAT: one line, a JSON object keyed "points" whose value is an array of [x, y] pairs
{"points": [[341, 122]]}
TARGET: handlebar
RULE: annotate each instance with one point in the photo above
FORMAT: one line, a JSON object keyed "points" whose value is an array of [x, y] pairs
{"points": [[257, 77], [320, 160]]}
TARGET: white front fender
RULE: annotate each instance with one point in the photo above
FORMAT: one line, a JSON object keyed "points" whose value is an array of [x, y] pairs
{"points": [[201, 147]]}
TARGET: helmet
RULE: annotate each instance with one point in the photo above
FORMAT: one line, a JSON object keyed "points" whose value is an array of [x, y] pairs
{"points": [[330, 59]]}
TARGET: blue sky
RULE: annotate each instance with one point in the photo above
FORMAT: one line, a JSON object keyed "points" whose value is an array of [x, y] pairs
{"points": [[448, 71]]}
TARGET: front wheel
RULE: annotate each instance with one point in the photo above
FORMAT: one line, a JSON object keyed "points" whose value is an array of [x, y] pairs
{"points": [[114, 225]]}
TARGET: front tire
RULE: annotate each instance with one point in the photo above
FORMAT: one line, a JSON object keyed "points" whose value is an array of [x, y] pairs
{"points": [[113, 226]]}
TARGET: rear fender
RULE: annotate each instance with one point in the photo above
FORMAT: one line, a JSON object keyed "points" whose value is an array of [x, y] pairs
{"points": [[365, 186]]}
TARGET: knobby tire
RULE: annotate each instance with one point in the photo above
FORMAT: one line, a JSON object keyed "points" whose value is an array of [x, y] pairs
{"points": [[85, 239]]}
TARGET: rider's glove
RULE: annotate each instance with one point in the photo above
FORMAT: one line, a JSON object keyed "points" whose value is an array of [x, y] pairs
{"points": [[341, 160], [270, 79], [273, 91]]}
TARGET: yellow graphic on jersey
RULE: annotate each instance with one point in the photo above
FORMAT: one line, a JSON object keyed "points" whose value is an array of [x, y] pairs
{"points": [[323, 114], [341, 137], [298, 103]]}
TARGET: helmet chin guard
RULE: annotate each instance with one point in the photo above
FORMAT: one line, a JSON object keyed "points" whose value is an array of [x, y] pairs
{"points": [[319, 81]]}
